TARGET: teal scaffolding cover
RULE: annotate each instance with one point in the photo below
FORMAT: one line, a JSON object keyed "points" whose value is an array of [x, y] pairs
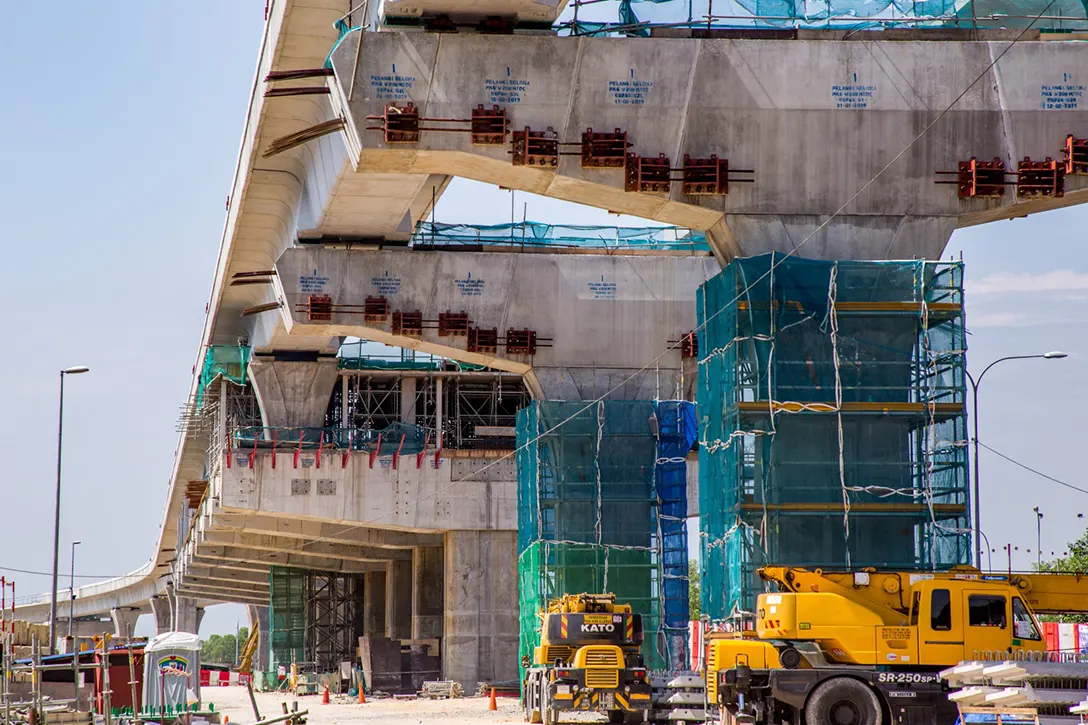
{"points": [[639, 17], [832, 423], [588, 510], [539, 234], [229, 361]]}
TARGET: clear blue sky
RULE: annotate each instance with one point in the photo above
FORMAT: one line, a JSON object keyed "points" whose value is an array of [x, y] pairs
{"points": [[121, 124]]}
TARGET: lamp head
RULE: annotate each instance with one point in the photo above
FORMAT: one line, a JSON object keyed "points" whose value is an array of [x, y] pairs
{"points": [[76, 370], [1055, 355]]}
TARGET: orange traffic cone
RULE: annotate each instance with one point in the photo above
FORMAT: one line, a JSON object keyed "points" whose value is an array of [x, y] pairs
{"points": [[362, 695], [226, 719], [325, 696], [492, 705]]}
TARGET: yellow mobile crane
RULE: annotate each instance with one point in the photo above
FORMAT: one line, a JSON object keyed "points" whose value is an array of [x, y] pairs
{"points": [[588, 659], [865, 647]]}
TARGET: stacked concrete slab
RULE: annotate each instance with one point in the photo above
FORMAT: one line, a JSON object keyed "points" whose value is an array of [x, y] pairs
{"points": [[1053, 690]]}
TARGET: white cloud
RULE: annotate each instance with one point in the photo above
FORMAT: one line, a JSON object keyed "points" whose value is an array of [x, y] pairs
{"points": [[1057, 280]]}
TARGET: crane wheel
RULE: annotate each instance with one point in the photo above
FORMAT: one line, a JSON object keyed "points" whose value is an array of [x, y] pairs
{"points": [[790, 658], [843, 701]]}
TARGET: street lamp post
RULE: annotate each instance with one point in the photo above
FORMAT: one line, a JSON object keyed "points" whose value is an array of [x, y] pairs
{"points": [[1054, 355], [56, 516], [72, 588]]}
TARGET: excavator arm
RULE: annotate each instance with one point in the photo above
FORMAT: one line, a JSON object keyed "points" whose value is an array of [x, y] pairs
{"points": [[245, 657]]}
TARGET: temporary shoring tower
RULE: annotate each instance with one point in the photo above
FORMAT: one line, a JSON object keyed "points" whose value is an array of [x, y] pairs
{"points": [[602, 503], [831, 401]]}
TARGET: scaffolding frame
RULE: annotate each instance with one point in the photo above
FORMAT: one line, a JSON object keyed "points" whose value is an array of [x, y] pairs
{"points": [[833, 430], [601, 509], [334, 618], [478, 408]]}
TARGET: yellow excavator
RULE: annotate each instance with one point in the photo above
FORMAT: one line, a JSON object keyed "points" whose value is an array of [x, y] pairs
{"points": [[587, 660], [865, 647], [245, 657]]}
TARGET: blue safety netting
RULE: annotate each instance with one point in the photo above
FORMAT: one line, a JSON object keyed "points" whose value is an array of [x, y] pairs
{"points": [[676, 433], [639, 17], [538, 234], [588, 510]]}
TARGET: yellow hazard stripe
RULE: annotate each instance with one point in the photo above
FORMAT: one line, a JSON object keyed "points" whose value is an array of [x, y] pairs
{"points": [[620, 699]]}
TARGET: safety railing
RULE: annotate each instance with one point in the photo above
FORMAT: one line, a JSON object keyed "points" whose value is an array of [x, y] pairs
{"points": [[310, 445]]}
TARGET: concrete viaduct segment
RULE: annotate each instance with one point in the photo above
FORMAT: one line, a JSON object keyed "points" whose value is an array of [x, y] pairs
{"points": [[432, 538], [814, 120], [603, 324]]}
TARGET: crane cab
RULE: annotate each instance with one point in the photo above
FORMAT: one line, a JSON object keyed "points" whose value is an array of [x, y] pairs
{"points": [[963, 619]]}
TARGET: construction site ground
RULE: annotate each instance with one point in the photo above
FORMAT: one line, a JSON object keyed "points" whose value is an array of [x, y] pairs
{"points": [[233, 702]]}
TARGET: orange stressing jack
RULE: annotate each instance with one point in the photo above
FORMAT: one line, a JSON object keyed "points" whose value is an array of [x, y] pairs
{"points": [[492, 705]]}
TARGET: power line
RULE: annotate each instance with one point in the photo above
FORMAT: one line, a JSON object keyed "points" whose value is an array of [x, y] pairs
{"points": [[741, 294], [669, 348], [62, 574], [1029, 468]]}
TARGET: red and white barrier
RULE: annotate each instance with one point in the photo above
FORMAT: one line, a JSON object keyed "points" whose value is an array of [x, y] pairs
{"points": [[696, 642], [1068, 639], [221, 678]]}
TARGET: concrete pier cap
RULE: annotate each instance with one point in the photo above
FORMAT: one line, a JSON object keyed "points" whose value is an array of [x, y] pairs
{"points": [[815, 120], [601, 320]]}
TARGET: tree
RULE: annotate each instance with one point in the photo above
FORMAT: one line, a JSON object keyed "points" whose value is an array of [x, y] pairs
{"points": [[219, 649], [1074, 560], [694, 606]]}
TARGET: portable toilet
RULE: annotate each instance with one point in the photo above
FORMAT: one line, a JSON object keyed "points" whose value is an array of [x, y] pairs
{"points": [[171, 671]]}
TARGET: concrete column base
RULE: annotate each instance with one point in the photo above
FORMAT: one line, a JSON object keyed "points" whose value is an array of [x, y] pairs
{"points": [[374, 603], [427, 592], [480, 627], [398, 600], [187, 615], [293, 393], [160, 607], [124, 622]]}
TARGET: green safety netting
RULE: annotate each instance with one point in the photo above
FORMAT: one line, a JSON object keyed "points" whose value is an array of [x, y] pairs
{"points": [[588, 511], [230, 361], [832, 423], [538, 234], [287, 616]]}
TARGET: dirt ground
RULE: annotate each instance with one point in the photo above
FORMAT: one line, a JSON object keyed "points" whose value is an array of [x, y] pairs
{"points": [[233, 702]]}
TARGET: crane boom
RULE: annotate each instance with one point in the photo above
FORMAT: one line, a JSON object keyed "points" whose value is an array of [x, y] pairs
{"points": [[1046, 593], [1053, 593]]}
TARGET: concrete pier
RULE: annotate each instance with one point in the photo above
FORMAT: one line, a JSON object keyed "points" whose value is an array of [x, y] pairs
{"points": [[481, 615]]}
